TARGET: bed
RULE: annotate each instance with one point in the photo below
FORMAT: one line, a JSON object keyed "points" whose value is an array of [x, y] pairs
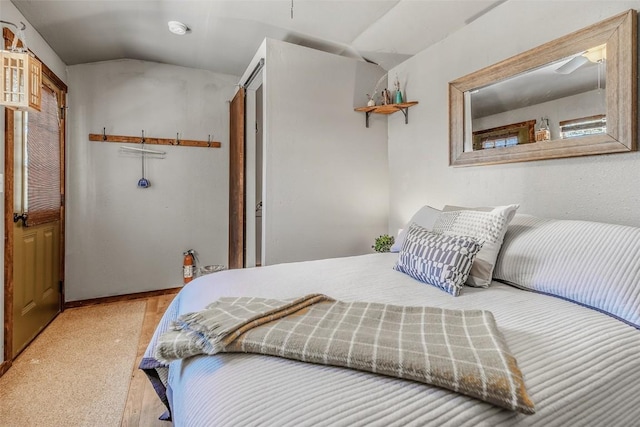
{"points": [[578, 352]]}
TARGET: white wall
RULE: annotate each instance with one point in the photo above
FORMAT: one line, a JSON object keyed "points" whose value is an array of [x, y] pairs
{"points": [[36, 44], [600, 188], [122, 239], [326, 176]]}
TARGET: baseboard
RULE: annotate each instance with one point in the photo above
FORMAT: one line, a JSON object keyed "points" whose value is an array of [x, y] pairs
{"points": [[117, 298], [4, 366]]}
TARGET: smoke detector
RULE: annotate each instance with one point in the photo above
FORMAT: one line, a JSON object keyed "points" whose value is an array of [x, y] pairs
{"points": [[178, 28]]}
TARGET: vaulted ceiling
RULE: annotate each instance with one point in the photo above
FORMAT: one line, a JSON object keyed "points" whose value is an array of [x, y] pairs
{"points": [[224, 34]]}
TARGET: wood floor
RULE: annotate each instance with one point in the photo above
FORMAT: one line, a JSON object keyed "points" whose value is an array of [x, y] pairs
{"points": [[143, 406]]}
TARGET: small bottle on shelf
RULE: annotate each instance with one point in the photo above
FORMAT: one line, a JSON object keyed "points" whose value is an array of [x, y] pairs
{"points": [[398, 97], [386, 97]]}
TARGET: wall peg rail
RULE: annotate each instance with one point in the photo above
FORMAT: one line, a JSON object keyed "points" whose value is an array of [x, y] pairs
{"points": [[103, 137]]}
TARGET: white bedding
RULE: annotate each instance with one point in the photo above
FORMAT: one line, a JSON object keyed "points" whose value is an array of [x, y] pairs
{"points": [[581, 367]]}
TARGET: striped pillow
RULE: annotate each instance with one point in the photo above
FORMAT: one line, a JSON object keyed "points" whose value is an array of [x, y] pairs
{"points": [[440, 260], [593, 264]]}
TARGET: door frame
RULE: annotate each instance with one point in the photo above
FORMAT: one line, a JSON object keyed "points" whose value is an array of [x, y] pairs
{"points": [[242, 168], [251, 143], [9, 202]]}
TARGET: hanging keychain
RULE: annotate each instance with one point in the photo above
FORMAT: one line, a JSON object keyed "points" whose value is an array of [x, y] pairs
{"points": [[143, 182]]}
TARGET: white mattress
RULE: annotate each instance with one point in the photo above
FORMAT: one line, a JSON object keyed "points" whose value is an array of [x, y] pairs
{"points": [[581, 367]]}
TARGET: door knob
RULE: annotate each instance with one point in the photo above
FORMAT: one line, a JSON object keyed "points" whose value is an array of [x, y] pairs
{"points": [[23, 217]]}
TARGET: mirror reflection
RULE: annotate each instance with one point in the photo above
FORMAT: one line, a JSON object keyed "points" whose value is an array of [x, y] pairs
{"points": [[579, 100], [561, 100]]}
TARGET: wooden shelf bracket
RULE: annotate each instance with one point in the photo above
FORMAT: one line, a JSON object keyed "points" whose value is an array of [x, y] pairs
{"points": [[405, 111], [366, 119]]}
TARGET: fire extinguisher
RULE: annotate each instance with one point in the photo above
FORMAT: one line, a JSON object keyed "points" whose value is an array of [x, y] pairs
{"points": [[188, 265]]}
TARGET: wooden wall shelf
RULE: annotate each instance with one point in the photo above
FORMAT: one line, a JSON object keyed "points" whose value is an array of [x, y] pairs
{"points": [[387, 109]]}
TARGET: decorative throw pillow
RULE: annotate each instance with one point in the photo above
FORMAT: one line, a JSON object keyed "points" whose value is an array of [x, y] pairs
{"points": [[440, 260], [425, 217], [486, 224]]}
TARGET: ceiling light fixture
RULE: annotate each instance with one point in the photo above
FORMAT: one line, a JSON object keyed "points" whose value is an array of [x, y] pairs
{"points": [[178, 28], [596, 54]]}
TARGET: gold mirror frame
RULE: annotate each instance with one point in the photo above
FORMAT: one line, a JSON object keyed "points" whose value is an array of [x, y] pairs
{"points": [[620, 35]]}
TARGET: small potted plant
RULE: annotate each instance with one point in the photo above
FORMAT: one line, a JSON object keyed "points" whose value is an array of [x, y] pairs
{"points": [[383, 243]]}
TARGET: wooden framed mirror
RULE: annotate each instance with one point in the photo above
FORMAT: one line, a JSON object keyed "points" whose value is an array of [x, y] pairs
{"points": [[580, 90]]}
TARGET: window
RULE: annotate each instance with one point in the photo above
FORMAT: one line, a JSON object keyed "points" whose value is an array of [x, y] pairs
{"points": [[592, 125]]}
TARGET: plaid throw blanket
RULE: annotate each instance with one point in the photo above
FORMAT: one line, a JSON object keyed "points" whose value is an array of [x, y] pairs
{"points": [[460, 350]]}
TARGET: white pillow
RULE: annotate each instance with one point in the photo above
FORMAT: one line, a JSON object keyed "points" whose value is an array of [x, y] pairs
{"points": [[593, 264], [425, 217], [482, 270]]}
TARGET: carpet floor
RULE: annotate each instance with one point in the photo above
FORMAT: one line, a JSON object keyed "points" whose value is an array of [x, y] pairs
{"points": [[77, 371]]}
